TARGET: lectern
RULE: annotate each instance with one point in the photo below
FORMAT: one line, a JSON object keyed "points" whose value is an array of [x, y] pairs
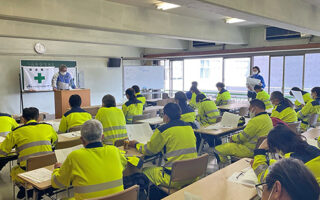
{"points": [[61, 99]]}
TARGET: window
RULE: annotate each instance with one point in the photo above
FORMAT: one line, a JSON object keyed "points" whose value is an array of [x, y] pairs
{"points": [[236, 72], [167, 75], [207, 72], [263, 63], [293, 73], [276, 73], [312, 71], [177, 75]]}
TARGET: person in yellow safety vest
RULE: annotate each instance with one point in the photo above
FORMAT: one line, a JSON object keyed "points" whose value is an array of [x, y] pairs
{"points": [[112, 119], [194, 90], [132, 107], [263, 96], [243, 144], [306, 98], [283, 108], [289, 179], [187, 113], [175, 140], [224, 96], [95, 170], [312, 107], [207, 112], [7, 124], [288, 144], [74, 117], [30, 139], [139, 96]]}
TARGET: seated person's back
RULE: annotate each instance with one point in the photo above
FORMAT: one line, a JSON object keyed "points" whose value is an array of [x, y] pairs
{"points": [[74, 117], [139, 96], [112, 119], [224, 96], [208, 112], [187, 113], [132, 107], [283, 108], [7, 124], [93, 171]]}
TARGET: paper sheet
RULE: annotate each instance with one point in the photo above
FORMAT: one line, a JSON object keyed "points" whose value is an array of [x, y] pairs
{"points": [[189, 196], [298, 96], [140, 132], [313, 142], [55, 124], [2, 139], [72, 134], [154, 120], [251, 82], [38, 175], [62, 154], [244, 177], [229, 120]]}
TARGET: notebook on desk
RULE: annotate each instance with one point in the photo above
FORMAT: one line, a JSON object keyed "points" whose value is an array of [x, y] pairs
{"points": [[139, 132], [244, 177], [228, 120]]}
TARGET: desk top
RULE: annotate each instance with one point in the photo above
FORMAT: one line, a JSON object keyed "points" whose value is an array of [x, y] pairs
{"points": [[153, 100], [217, 186], [234, 106], [153, 108], [217, 132], [152, 121]]}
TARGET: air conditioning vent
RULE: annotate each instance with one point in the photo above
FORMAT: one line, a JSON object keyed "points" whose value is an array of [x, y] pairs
{"points": [[197, 44], [274, 33]]}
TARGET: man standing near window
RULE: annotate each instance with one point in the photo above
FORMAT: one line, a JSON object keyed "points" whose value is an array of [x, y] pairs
{"points": [[62, 80]]}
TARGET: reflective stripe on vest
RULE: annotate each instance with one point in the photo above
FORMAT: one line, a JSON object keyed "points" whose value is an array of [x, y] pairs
{"points": [[3, 153], [60, 185], [23, 158], [115, 136], [260, 169], [4, 133], [211, 111], [98, 187], [113, 128], [33, 144], [176, 153]]}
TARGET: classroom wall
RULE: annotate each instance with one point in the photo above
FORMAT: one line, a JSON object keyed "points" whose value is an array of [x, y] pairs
{"points": [[91, 59], [256, 37]]}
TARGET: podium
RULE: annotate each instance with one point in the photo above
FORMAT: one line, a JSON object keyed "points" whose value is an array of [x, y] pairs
{"points": [[61, 99]]}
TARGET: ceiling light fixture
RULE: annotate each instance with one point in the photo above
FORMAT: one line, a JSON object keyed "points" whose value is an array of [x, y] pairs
{"points": [[233, 20], [166, 6]]}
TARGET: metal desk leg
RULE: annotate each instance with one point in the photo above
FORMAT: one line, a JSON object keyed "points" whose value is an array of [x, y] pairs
{"points": [[201, 146], [35, 194]]}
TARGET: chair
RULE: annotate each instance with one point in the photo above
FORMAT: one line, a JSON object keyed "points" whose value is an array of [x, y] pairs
{"points": [[131, 193], [185, 170], [295, 126], [313, 120], [75, 128], [140, 117], [36, 162], [243, 111]]}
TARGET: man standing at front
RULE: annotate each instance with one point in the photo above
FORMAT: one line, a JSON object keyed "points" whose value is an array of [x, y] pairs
{"points": [[63, 79]]}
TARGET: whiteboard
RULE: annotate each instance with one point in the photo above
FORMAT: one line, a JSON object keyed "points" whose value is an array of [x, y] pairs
{"points": [[146, 77]]}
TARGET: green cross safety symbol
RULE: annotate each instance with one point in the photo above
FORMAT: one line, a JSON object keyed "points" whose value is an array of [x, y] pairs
{"points": [[39, 78]]}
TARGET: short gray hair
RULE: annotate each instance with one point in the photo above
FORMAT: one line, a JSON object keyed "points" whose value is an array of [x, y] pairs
{"points": [[62, 67], [92, 130]]}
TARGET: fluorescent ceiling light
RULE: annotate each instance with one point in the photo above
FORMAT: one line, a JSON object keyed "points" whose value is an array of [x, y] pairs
{"points": [[234, 20], [166, 6]]}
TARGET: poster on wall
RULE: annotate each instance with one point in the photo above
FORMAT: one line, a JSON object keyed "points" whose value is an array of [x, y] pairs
{"points": [[36, 75]]}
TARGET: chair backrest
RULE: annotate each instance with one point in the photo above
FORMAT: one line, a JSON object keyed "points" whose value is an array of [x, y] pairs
{"points": [[243, 111], [184, 170], [313, 120], [295, 126], [131, 193], [68, 144], [36, 162], [75, 128], [141, 117]]}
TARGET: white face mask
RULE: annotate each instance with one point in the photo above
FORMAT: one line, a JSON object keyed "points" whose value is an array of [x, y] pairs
{"points": [[252, 114], [255, 72], [63, 73]]}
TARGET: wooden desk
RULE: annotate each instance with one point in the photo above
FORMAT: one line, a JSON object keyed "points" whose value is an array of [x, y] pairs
{"points": [[66, 142], [132, 152], [217, 187], [234, 106], [152, 121]]}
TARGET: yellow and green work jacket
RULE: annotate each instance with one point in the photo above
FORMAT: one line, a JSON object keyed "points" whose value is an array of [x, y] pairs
{"points": [[74, 117]]}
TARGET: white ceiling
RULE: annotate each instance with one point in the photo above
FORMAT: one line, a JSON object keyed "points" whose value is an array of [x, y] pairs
{"points": [[185, 9]]}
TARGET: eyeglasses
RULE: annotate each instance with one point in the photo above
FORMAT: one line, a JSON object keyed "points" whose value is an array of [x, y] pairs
{"points": [[259, 188]]}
